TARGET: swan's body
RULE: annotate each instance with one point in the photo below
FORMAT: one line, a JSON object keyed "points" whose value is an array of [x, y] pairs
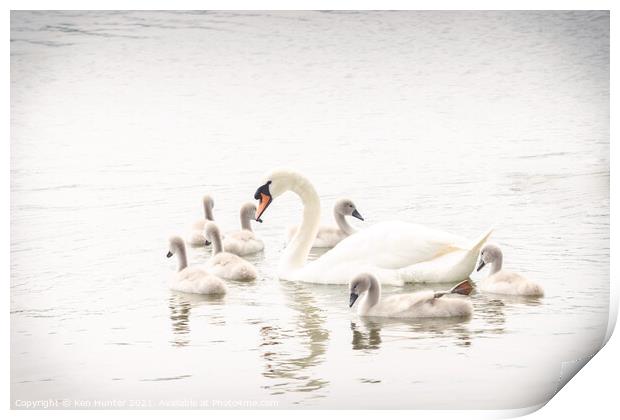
{"points": [[245, 241], [224, 264], [394, 252], [196, 279], [197, 234], [425, 304], [502, 281], [330, 236]]}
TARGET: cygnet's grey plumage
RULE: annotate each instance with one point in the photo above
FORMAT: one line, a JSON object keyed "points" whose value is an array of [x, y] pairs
{"points": [[424, 304], [330, 236], [245, 241], [197, 234], [501, 281], [195, 279], [225, 264]]}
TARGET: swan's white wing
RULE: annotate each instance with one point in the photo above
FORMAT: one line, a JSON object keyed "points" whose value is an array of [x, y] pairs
{"points": [[393, 245], [396, 253], [380, 249]]}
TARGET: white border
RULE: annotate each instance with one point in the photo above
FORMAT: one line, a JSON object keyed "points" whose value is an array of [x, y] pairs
{"points": [[591, 393]]}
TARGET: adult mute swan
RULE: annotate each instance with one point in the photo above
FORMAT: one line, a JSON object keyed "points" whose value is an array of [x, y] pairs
{"points": [[501, 281], [394, 252], [197, 235], [245, 241], [224, 264], [425, 304], [330, 236], [194, 279]]}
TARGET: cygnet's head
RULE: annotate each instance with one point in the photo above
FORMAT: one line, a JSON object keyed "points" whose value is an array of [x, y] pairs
{"points": [[359, 285], [208, 202], [247, 211], [212, 232], [489, 254], [176, 245], [346, 207]]}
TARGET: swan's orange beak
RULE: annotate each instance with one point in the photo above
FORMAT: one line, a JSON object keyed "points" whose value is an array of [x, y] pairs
{"points": [[265, 200]]}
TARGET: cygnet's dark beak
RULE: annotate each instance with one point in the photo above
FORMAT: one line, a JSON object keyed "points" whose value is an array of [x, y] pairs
{"points": [[480, 265], [207, 243], [357, 215], [169, 254], [352, 298]]}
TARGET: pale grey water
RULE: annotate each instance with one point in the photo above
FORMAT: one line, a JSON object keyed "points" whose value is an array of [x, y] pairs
{"points": [[121, 121]]}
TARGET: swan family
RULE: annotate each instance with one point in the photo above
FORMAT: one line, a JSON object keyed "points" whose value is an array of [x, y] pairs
{"points": [[386, 253]]}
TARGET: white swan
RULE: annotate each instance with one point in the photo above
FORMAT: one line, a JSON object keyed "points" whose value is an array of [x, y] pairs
{"points": [[395, 252], [197, 235], [501, 281], [194, 279], [224, 264], [425, 304], [245, 241], [330, 236]]}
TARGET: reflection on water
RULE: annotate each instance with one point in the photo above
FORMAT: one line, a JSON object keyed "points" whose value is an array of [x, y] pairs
{"points": [[180, 305], [370, 339], [290, 353], [492, 311], [179, 316], [367, 331]]}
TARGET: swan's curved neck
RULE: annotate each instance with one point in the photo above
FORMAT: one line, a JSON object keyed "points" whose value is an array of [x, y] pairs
{"points": [[372, 295], [182, 257], [296, 253], [342, 223], [245, 221], [497, 264], [217, 242]]}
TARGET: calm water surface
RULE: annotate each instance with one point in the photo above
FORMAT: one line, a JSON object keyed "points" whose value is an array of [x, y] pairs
{"points": [[460, 121]]}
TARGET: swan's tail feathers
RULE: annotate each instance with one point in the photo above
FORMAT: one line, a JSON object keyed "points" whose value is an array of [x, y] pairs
{"points": [[481, 241], [463, 288]]}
